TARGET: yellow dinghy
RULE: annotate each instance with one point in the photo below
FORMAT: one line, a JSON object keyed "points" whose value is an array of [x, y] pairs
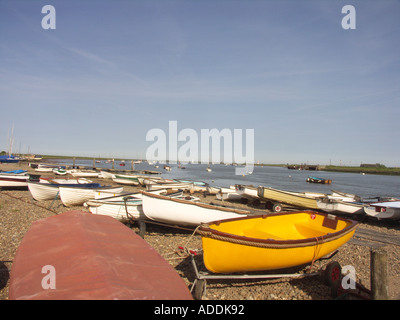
{"points": [[274, 241]]}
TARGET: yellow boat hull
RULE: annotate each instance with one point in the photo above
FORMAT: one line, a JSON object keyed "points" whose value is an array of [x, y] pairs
{"points": [[270, 242]]}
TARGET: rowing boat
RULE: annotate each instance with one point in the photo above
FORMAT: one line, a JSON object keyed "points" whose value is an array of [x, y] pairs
{"points": [[106, 175], [79, 256], [248, 192], [213, 190], [172, 185], [127, 206], [122, 210], [228, 194], [318, 180], [16, 180], [84, 173], [174, 211], [274, 241], [297, 199], [75, 196], [384, 210], [343, 196], [60, 171], [126, 179], [338, 206], [50, 191]]}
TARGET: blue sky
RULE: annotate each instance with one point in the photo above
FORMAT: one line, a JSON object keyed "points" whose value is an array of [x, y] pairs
{"points": [[113, 70]]}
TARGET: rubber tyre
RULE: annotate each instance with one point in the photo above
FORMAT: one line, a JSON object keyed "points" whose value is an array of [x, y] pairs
{"points": [[333, 272]]}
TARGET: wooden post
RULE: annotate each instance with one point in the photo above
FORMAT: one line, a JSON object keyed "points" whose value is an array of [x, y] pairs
{"points": [[379, 274], [73, 166], [113, 164], [142, 228], [94, 163]]}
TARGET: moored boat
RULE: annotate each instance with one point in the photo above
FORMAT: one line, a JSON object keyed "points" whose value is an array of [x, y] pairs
{"points": [[274, 241], [248, 192], [84, 173], [297, 199], [19, 180], [106, 175], [74, 196], [384, 210], [50, 191], [174, 211], [212, 189], [341, 207], [90, 257], [122, 210], [44, 169], [59, 171], [172, 185], [126, 179], [127, 206], [228, 194], [343, 196], [9, 159], [23, 172], [318, 180]]}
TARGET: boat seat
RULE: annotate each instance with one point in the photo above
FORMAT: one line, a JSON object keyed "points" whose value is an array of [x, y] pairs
{"points": [[307, 231], [255, 233]]}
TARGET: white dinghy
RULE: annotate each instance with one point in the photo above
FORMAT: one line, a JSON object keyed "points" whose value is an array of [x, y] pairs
{"points": [[174, 211]]}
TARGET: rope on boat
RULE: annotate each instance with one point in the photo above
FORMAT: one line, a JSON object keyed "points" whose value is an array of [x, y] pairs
{"points": [[130, 217], [315, 254], [270, 243], [28, 202]]}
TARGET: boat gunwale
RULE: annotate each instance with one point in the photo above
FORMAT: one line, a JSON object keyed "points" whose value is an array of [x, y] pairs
{"points": [[81, 187], [13, 179], [199, 204], [336, 201], [205, 231], [57, 185]]}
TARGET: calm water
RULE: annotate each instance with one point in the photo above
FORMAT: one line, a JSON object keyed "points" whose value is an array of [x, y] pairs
{"points": [[275, 177]]}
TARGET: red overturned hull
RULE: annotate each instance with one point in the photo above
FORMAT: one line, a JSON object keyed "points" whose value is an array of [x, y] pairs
{"points": [[77, 255]]}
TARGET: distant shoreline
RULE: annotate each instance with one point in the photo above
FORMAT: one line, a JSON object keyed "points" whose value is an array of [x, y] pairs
{"points": [[394, 171], [366, 170]]}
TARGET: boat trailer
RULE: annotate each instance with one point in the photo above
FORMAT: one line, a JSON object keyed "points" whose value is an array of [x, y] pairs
{"points": [[331, 274]]}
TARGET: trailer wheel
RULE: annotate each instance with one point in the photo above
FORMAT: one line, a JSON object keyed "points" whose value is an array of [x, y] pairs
{"points": [[276, 207], [333, 272], [199, 289], [337, 291]]}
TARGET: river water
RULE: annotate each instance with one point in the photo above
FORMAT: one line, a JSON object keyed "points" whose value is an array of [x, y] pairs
{"points": [[282, 178]]}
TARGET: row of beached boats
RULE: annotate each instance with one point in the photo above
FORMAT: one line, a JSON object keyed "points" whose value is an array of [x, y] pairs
{"points": [[78, 190], [267, 241], [336, 203], [233, 240]]}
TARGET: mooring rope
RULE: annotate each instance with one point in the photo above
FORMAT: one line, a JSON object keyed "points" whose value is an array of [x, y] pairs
{"points": [[28, 202]]}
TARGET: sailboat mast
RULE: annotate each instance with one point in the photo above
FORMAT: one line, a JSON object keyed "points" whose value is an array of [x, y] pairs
{"points": [[11, 141]]}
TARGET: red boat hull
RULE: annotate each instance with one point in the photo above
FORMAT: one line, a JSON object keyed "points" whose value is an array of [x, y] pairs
{"points": [[92, 257]]}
